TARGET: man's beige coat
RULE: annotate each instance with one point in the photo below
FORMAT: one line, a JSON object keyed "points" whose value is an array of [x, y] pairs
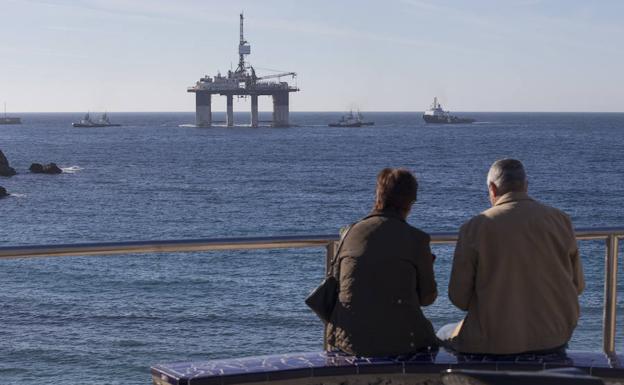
{"points": [[517, 272]]}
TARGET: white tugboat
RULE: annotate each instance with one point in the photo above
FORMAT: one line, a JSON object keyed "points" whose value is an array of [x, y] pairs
{"points": [[437, 115]]}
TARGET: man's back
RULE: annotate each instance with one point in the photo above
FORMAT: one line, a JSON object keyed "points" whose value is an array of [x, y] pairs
{"points": [[518, 273]]}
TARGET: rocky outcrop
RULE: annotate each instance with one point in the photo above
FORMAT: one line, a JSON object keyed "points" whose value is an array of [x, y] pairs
{"points": [[5, 169], [3, 192], [50, 168]]}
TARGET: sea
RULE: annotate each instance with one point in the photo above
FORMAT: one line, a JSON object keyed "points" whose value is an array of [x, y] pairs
{"points": [[107, 319]]}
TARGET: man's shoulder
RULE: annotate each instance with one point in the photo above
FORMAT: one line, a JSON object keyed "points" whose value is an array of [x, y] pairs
{"points": [[476, 221], [523, 205], [553, 209], [527, 210], [549, 210]]}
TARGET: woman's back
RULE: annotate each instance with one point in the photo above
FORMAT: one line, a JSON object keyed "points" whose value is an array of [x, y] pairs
{"points": [[385, 275]]}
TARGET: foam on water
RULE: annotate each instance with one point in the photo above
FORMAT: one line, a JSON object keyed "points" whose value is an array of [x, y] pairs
{"points": [[71, 169]]}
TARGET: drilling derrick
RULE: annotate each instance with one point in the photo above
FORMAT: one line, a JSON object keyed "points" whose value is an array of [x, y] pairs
{"points": [[243, 82], [243, 49]]}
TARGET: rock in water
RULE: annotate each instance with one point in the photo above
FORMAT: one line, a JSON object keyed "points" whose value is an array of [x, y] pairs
{"points": [[3, 192], [37, 168], [5, 169], [3, 160], [50, 168]]}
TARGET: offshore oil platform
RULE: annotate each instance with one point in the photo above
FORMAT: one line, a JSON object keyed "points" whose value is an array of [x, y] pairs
{"points": [[243, 82]]}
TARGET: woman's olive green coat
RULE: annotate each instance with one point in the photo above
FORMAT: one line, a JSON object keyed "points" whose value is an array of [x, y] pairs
{"points": [[385, 270]]}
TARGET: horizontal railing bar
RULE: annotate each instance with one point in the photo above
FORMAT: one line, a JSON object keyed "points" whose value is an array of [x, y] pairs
{"points": [[189, 245], [171, 246], [598, 233]]}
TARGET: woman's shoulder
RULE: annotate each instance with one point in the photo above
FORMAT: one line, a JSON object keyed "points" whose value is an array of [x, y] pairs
{"points": [[420, 234], [395, 224]]}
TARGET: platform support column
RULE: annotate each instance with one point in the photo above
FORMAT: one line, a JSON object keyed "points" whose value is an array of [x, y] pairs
{"points": [[254, 110], [203, 109], [280, 109], [229, 119]]}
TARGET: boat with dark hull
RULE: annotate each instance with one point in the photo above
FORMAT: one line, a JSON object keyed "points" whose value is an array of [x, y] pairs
{"points": [[9, 119], [437, 115], [351, 120], [102, 122]]}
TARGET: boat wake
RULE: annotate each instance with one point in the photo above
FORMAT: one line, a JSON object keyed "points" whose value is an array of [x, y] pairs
{"points": [[71, 169]]}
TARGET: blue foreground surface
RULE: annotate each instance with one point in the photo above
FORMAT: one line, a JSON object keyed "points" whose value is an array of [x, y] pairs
{"points": [[323, 364]]}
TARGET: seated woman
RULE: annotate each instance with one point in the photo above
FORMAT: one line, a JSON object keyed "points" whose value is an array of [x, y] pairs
{"points": [[385, 270]]}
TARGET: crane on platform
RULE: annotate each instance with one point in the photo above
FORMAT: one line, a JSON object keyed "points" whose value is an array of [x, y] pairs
{"points": [[292, 74], [255, 78]]}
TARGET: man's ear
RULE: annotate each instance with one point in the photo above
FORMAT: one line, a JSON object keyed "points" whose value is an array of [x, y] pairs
{"points": [[493, 189]]}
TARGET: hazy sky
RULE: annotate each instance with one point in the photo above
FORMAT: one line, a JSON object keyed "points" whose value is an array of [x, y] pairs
{"points": [[392, 55]]}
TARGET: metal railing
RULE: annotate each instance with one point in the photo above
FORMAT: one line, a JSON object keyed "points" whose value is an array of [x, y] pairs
{"points": [[610, 235]]}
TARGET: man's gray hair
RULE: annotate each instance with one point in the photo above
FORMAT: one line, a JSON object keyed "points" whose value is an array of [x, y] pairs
{"points": [[507, 175]]}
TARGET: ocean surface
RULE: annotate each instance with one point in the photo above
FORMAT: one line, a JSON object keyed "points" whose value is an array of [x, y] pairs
{"points": [[106, 319]]}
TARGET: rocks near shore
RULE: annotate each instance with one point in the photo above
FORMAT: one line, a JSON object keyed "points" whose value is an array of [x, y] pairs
{"points": [[50, 168], [37, 168], [5, 169]]}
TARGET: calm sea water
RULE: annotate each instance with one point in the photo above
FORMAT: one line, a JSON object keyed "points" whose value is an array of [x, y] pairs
{"points": [[105, 320]]}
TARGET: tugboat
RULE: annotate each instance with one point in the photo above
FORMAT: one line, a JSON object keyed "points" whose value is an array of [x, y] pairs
{"points": [[102, 122], [437, 115], [351, 120], [9, 119]]}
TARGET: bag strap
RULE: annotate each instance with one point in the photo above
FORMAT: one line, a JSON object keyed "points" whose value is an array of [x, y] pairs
{"points": [[330, 271]]}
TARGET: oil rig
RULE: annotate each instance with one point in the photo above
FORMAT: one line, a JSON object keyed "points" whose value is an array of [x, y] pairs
{"points": [[243, 82]]}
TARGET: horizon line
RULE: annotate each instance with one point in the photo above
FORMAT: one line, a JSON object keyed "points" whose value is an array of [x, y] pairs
{"points": [[313, 111]]}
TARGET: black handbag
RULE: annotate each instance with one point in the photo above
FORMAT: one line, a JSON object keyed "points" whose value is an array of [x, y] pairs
{"points": [[322, 299]]}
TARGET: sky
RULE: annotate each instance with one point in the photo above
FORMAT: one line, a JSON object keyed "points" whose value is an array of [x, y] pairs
{"points": [[390, 55]]}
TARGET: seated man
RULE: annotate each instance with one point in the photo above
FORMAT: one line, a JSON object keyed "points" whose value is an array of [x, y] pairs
{"points": [[516, 270]]}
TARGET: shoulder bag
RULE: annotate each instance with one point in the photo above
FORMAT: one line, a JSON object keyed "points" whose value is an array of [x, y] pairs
{"points": [[322, 299]]}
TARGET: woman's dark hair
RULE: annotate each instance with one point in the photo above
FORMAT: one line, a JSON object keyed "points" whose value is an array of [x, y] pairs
{"points": [[396, 189]]}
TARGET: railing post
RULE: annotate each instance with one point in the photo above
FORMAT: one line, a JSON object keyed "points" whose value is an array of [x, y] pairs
{"points": [[331, 251], [610, 295]]}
